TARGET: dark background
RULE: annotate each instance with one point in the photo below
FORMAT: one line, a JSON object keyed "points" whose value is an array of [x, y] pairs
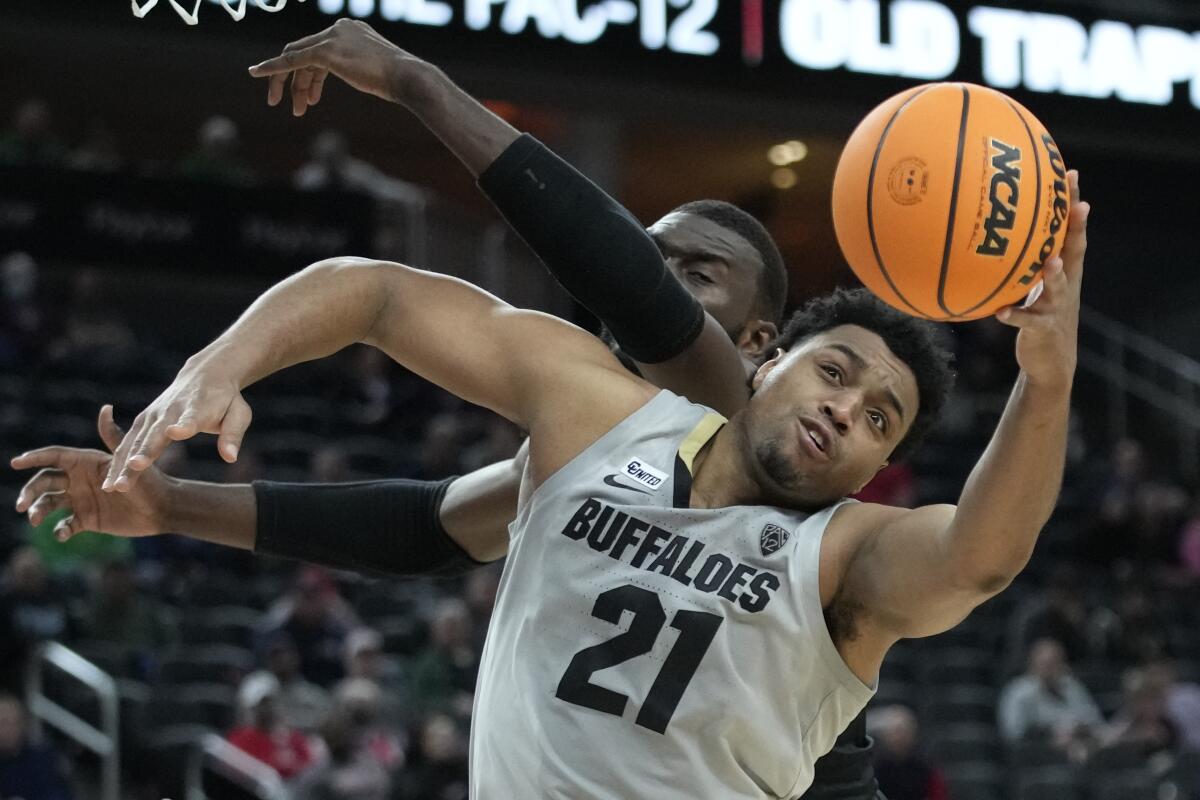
{"points": [[655, 128]]}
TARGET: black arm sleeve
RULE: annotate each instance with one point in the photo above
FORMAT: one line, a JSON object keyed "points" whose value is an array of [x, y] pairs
{"points": [[386, 528], [596, 250], [846, 771]]}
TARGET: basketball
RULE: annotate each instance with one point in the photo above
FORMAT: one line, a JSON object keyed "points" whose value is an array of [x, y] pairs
{"points": [[948, 199]]}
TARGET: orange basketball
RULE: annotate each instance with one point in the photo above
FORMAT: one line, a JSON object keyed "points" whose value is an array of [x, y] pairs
{"points": [[948, 200]]}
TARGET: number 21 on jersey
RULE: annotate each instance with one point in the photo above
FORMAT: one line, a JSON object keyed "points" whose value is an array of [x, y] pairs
{"points": [[696, 632]]}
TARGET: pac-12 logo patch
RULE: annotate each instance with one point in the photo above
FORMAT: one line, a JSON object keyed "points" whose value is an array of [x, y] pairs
{"points": [[772, 538]]}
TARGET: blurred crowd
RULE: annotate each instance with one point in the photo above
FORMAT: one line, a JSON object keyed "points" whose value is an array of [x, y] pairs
{"points": [[31, 138]]}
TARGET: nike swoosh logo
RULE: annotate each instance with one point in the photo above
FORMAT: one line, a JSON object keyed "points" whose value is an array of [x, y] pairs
{"points": [[611, 480]]}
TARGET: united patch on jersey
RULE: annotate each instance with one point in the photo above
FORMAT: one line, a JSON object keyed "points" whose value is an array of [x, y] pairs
{"points": [[772, 538]]}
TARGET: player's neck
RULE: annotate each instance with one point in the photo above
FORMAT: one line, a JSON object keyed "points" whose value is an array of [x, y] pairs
{"points": [[720, 476]]}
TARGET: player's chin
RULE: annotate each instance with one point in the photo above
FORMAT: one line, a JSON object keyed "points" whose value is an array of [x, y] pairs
{"points": [[783, 463]]}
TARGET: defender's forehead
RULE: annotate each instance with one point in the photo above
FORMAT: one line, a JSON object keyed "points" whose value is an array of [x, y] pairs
{"points": [[695, 233]]}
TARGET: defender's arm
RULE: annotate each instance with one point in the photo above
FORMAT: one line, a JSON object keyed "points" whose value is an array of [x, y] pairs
{"points": [[598, 251], [517, 363]]}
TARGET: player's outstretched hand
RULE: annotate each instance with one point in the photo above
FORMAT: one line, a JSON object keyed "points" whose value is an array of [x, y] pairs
{"points": [[201, 399], [71, 477], [350, 49], [1049, 325]]}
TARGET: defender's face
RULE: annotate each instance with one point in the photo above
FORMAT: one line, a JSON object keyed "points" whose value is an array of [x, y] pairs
{"points": [[826, 416], [719, 267]]}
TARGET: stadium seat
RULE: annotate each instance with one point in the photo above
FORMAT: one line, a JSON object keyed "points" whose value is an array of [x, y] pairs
{"points": [[965, 635], [165, 751], [972, 704], [288, 448], [1048, 783], [975, 781], [1032, 754], [216, 702], [168, 708], [1099, 676], [14, 388], [134, 700], [220, 590], [900, 664], [371, 455], [1117, 758], [893, 691], [966, 742], [68, 430], [958, 666], [1133, 784], [75, 398], [294, 414], [108, 656], [233, 625], [1183, 641], [218, 663], [380, 602], [402, 635], [1110, 702], [1184, 776]]}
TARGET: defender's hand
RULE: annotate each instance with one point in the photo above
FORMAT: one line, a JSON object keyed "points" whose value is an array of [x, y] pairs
{"points": [[202, 399], [70, 478], [350, 49], [1049, 326]]}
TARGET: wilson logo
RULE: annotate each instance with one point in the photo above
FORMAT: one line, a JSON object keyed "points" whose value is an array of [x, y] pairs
{"points": [[1003, 195], [1058, 210]]}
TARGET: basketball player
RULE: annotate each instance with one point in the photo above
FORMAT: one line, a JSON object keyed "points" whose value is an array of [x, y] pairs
{"points": [[641, 508], [601, 255]]}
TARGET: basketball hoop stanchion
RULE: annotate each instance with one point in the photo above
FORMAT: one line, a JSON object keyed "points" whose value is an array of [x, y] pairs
{"points": [[236, 8]]}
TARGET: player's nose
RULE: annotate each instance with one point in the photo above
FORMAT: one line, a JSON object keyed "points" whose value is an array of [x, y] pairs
{"points": [[840, 409]]}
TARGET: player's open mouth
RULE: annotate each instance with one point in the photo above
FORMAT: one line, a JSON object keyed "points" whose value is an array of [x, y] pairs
{"points": [[814, 439]]}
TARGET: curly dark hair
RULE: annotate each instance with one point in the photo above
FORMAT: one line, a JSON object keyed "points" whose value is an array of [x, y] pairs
{"points": [[918, 343], [773, 280]]}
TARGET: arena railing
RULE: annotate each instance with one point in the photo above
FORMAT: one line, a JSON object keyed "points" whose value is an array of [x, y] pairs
{"points": [[103, 741], [248, 773], [1156, 374]]}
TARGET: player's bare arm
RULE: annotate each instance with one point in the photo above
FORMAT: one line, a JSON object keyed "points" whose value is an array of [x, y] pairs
{"points": [[709, 370], [920, 572], [510, 360], [477, 507]]}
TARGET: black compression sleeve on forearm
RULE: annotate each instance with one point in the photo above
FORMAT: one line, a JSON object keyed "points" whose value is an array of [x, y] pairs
{"points": [[386, 528], [596, 250]]}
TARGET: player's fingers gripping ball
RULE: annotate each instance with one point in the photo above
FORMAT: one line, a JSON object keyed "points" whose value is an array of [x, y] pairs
{"points": [[948, 200]]}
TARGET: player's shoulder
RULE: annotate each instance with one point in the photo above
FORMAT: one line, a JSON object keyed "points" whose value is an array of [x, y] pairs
{"points": [[855, 525], [857, 519]]}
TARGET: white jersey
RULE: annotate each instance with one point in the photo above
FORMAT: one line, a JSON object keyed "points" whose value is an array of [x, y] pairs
{"points": [[643, 649]]}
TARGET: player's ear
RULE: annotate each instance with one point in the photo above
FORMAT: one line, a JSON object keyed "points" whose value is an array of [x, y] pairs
{"points": [[878, 469], [755, 337], [767, 368]]}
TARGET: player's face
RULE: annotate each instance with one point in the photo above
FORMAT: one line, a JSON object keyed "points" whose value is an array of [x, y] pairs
{"points": [[827, 415], [719, 267]]}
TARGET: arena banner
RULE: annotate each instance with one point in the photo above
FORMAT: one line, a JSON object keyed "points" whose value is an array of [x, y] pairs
{"points": [[1002, 47], [1129, 76], [1051, 48], [173, 223]]}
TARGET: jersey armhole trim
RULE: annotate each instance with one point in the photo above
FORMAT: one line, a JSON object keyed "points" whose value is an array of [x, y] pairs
{"points": [[699, 436], [814, 614]]}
